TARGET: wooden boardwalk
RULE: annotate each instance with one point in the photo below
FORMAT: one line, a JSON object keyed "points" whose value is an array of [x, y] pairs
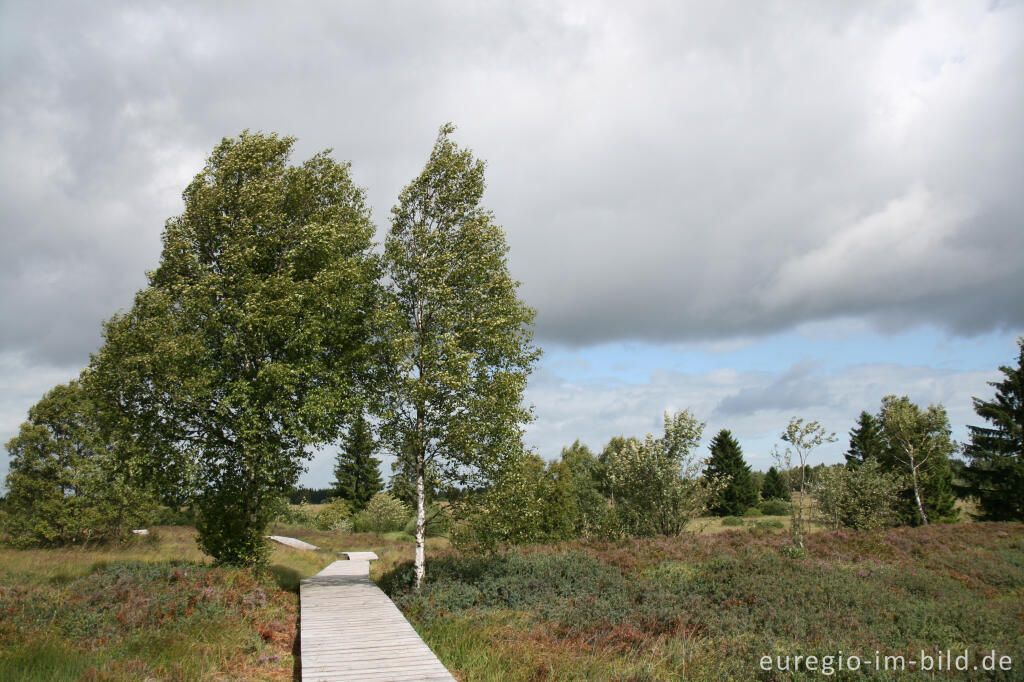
{"points": [[350, 630]]}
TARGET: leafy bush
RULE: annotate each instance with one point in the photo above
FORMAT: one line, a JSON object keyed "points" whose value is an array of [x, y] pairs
{"points": [[770, 523], [335, 516], [384, 513], [732, 521], [753, 512], [775, 507], [861, 498], [438, 522], [170, 516]]}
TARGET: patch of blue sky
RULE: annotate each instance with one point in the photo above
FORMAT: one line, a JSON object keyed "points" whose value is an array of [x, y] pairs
{"points": [[829, 346]]}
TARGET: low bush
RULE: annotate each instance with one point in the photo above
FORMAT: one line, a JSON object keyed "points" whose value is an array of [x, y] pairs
{"points": [[775, 507], [437, 522], [334, 516], [384, 513], [732, 521], [752, 512], [770, 523]]}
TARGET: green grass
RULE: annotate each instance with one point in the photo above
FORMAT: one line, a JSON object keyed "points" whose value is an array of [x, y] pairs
{"points": [[151, 608], [707, 607]]}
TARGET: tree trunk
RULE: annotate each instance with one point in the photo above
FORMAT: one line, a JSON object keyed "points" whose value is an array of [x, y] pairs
{"points": [[421, 517], [917, 498]]}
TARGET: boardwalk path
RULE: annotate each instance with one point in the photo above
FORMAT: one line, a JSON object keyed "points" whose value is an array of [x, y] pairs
{"points": [[350, 630]]}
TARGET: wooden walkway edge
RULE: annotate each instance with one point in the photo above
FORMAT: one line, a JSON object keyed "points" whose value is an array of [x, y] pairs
{"points": [[350, 630]]}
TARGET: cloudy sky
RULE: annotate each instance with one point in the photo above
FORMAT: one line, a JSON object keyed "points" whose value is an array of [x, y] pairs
{"points": [[753, 209]]}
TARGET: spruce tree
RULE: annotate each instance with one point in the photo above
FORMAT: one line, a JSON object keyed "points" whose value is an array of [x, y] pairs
{"points": [[995, 472], [357, 471], [774, 486], [727, 460], [865, 441]]}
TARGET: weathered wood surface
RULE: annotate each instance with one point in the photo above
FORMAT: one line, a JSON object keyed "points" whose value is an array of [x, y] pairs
{"points": [[292, 542], [350, 630]]}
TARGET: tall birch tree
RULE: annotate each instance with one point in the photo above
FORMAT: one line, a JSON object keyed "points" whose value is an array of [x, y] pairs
{"points": [[457, 337]]}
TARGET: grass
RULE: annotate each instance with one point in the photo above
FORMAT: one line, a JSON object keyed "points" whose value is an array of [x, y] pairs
{"points": [[707, 607], [153, 608]]}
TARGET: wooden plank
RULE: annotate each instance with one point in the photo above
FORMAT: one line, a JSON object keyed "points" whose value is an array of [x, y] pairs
{"points": [[292, 542], [350, 630]]}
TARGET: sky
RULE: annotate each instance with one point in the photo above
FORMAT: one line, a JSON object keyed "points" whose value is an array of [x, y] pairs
{"points": [[755, 210]]}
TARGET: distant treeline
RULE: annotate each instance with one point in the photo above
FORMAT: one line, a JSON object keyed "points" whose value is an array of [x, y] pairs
{"points": [[311, 495]]}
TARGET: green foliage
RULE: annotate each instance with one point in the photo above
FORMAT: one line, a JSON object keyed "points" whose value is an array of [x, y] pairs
{"points": [[587, 474], [335, 516], [654, 484], [775, 507], [250, 343], [862, 498], [458, 348], [731, 521], [918, 450], [753, 512], [802, 438], [438, 522], [357, 471], [775, 487], [67, 482], [383, 513], [528, 503], [769, 523], [310, 495], [995, 470], [726, 463], [866, 441]]}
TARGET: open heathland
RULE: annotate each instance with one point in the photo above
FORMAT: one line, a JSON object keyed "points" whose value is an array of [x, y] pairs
{"points": [[708, 607]]}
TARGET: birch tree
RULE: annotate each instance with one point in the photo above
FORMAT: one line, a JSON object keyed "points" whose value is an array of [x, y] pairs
{"points": [[457, 338], [919, 448]]}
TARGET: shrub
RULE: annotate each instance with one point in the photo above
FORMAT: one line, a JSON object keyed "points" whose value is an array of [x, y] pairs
{"points": [[437, 522], [384, 513], [335, 516], [862, 498], [775, 507], [770, 523], [732, 521], [752, 512]]}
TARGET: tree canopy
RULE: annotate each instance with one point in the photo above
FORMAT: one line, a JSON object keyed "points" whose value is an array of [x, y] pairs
{"points": [[67, 482], [249, 344], [995, 470], [458, 339], [726, 463], [356, 470]]}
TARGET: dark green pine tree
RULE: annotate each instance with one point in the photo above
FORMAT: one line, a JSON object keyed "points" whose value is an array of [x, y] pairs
{"points": [[866, 441], [727, 460], [995, 472], [357, 471], [774, 486]]}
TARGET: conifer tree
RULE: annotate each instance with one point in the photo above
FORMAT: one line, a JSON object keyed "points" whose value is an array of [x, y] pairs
{"points": [[866, 441], [727, 461], [995, 472], [357, 471], [774, 486]]}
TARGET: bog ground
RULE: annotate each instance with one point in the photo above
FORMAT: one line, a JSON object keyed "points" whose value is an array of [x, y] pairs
{"points": [[701, 606]]}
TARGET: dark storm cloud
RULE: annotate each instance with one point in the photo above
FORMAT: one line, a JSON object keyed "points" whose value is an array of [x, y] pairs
{"points": [[669, 172]]}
